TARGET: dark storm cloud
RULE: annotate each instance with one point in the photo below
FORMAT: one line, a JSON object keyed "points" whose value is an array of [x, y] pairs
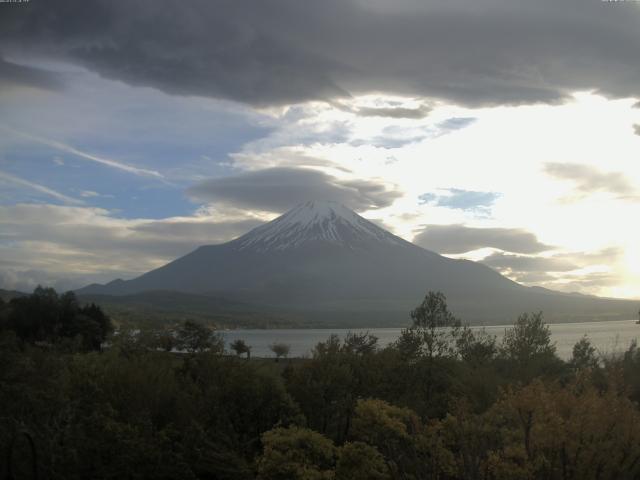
{"points": [[227, 49], [454, 239], [281, 51], [588, 179], [279, 189]]}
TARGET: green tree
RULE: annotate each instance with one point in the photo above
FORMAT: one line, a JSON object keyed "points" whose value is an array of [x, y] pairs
{"points": [[360, 343], [327, 385], [359, 461], [434, 331], [623, 372], [46, 317], [410, 449], [476, 348], [471, 439], [35, 318], [101, 327], [570, 432], [296, 454], [381, 424], [429, 350], [584, 355], [241, 348], [280, 350], [194, 337], [528, 338], [528, 349], [4, 313], [236, 401]]}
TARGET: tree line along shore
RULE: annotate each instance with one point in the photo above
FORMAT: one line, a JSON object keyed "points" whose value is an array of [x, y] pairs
{"points": [[442, 402]]}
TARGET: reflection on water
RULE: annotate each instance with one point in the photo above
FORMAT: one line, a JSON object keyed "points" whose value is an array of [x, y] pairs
{"points": [[607, 337]]}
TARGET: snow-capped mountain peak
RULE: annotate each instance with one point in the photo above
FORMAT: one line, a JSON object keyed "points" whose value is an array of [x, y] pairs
{"points": [[316, 221]]}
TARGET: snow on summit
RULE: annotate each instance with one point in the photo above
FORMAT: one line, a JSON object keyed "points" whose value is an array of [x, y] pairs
{"points": [[316, 221]]}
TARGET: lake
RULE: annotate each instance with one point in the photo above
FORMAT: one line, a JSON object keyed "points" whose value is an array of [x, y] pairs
{"points": [[607, 337]]}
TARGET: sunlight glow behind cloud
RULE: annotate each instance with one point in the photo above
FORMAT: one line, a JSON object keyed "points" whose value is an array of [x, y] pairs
{"points": [[485, 167]]}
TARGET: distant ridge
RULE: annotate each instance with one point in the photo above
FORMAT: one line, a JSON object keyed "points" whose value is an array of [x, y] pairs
{"points": [[7, 295], [321, 260]]}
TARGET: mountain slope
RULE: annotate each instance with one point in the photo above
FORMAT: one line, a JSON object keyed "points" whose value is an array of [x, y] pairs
{"points": [[7, 295], [326, 261]]}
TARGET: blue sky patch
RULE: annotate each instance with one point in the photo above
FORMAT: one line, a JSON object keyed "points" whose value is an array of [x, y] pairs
{"points": [[458, 199]]}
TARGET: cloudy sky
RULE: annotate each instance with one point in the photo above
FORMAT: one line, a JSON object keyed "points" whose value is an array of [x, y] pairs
{"points": [[497, 130]]}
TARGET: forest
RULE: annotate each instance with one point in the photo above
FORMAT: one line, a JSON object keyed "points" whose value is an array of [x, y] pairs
{"points": [[82, 399]]}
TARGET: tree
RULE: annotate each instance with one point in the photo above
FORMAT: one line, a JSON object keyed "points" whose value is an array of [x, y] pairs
{"points": [[409, 448], [194, 337], [360, 343], [359, 461], [280, 350], [429, 347], [46, 317], [165, 340], [326, 386], [385, 426], [296, 454], [434, 330], [35, 318], [528, 347], [471, 438], [93, 325], [623, 372], [240, 347], [476, 348], [3, 314], [529, 337], [584, 355], [565, 432]]}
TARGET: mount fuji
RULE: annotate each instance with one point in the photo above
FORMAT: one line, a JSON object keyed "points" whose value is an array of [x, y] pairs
{"points": [[323, 261]]}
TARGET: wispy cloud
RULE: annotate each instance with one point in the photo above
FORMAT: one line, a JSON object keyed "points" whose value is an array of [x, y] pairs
{"points": [[92, 194], [89, 194], [87, 156], [72, 246], [6, 177]]}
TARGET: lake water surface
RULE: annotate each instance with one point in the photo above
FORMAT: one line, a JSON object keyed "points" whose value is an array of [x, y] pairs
{"points": [[607, 337]]}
